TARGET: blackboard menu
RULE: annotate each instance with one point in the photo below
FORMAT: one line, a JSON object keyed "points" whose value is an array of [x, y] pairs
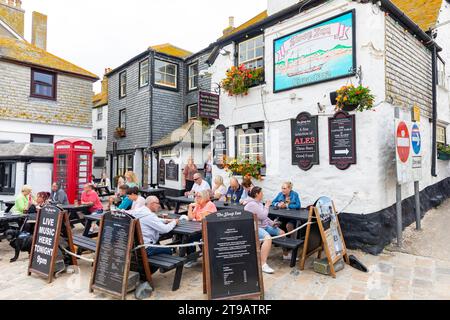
{"points": [[208, 105], [342, 140], [305, 141], [162, 172], [172, 171], [220, 145], [232, 262], [112, 256], [46, 240]]}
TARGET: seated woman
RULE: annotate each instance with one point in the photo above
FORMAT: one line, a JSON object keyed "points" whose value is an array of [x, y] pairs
{"points": [[121, 201], [235, 190], [24, 200], [247, 184], [267, 227], [202, 207], [42, 199], [219, 190]]}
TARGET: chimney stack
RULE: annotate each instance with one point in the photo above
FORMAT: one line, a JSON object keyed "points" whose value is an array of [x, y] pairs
{"points": [[105, 81], [39, 30], [230, 27], [12, 13]]}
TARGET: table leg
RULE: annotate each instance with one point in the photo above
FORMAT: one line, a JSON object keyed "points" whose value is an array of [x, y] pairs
{"points": [[177, 207], [87, 228]]}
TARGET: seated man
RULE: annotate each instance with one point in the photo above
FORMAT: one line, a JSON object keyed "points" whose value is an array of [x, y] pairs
{"points": [[122, 201], [199, 185], [235, 191], [152, 226], [138, 201], [90, 197], [58, 195]]}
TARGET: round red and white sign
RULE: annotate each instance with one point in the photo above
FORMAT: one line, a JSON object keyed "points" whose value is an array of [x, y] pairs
{"points": [[403, 142]]}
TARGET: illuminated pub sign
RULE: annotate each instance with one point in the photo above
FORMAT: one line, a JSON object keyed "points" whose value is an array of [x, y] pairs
{"points": [[321, 52], [305, 141]]}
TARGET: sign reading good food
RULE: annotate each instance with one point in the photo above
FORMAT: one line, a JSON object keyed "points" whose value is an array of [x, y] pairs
{"points": [[305, 141], [342, 140], [322, 52], [220, 145], [208, 105]]}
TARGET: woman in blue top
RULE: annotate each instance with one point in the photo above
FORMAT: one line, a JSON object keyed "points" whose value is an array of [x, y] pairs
{"points": [[287, 198]]}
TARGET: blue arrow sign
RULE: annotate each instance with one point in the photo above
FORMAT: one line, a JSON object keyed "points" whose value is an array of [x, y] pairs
{"points": [[416, 139]]}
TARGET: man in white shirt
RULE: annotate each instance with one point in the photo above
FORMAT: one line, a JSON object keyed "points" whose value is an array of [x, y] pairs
{"points": [[152, 226], [199, 185], [138, 201]]}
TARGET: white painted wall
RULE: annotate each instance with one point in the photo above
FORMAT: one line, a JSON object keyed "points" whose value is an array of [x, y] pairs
{"points": [[273, 6], [374, 175], [99, 146]]}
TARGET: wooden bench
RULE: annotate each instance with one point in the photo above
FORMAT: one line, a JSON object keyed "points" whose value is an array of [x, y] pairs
{"points": [[166, 263], [291, 244], [84, 244]]}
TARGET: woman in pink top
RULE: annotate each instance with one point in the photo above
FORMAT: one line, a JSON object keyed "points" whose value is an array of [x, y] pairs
{"points": [[90, 197], [202, 206]]}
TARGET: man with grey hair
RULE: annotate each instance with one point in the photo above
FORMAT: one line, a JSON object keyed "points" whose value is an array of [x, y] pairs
{"points": [[199, 185], [152, 226], [58, 195]]}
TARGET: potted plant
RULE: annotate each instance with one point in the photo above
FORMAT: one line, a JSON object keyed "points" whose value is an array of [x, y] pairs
{"points": [[244, 167], [239, 79], [351, 98], [443, 152], [120, 132]]}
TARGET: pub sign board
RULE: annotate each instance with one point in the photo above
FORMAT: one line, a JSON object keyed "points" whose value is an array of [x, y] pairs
{"points": [[305, 141], [46, 238], [220, 145], [232, 265], [208, 105], [172, 171], [113, 254], [162, 172], [342, 140]]}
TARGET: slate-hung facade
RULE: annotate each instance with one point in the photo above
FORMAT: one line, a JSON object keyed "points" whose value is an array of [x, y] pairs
{"points": [[150, 96], [43, 99]]}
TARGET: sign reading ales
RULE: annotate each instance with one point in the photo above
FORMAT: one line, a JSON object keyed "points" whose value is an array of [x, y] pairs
{"points": [[208, 105], [232, 266], [342, 140], [220, 145], [305, 141]]}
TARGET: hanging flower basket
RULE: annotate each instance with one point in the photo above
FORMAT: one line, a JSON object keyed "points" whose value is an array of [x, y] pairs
{"points": [[350, 98], [120, 132], [443, 152], [243, 167], [239, 79]]}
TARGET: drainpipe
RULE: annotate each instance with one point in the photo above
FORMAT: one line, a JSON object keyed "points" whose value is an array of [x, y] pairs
{"points": [[434, 120], [151, 78]]}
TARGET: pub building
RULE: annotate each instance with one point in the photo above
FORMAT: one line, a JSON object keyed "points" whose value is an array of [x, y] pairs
{"points": [[307, 51]]}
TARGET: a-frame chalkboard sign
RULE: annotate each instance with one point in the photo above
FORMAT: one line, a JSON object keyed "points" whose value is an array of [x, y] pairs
{"points": [[46, 239], [119, 233], [231, 256], [323, 216]]}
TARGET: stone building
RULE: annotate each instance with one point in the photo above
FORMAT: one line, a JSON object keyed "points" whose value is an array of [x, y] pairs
{"points": [[43, 99], [394, 55], [151, 96]]}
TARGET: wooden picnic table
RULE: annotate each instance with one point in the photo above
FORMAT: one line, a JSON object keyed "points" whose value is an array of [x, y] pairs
{"points": [[9, 205], [6, 219], [180, 200], [157, 192], [73, 211]]}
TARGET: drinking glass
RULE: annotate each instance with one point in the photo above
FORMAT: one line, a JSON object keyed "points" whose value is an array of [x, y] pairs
{"points": [[288, 201], [228, 198], [234, 198]]}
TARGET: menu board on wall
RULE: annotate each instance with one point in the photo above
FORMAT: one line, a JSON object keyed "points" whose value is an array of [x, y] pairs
{"points": [[232, 265], [305, 141], [220, 145], [342, 140], [162, 172], [172, 171]]}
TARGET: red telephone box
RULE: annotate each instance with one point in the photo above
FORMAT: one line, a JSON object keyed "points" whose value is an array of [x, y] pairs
{"points": [[72, 166]]}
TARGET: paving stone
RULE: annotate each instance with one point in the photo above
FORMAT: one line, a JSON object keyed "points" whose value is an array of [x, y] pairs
{"points": [[419, 283], [356, 296]]}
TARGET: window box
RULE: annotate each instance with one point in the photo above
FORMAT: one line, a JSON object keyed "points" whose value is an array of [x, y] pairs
{"points": [[120, 132], [443, 152]]}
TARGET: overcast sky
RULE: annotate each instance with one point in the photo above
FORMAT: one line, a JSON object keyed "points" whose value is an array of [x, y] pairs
{"points": [[96, 34]]}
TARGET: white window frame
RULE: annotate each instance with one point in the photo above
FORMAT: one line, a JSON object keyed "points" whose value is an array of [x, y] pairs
{"points": [[165, 74], [123, 84], [123, 119], [189, 107], [100, 114], [192, 75], [144, 73], [255, 59], [241, 147], [441, 134]]}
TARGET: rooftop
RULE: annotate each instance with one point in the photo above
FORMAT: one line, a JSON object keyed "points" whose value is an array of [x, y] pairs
{"points": [[24, 52], [171, 50], [424, 13]]}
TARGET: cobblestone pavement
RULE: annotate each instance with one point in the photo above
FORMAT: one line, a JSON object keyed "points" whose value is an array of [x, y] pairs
{"points": [[392, 275]]}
